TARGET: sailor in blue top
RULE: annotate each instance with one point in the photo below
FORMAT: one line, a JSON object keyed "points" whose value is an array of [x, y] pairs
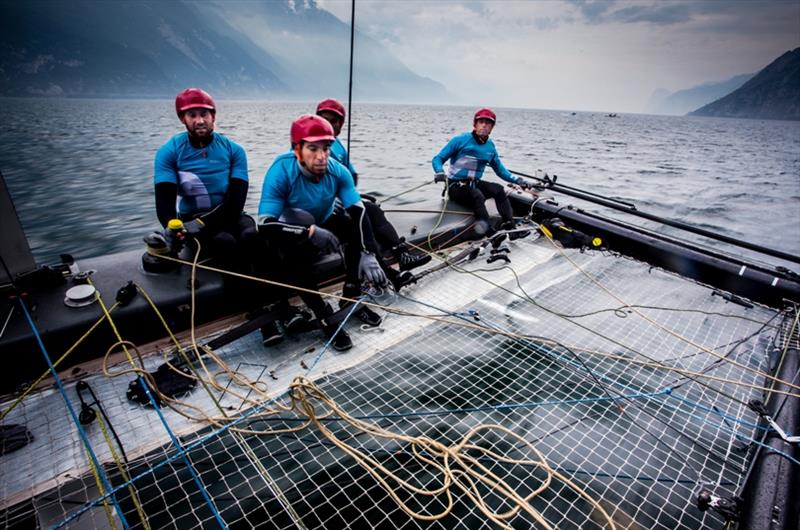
{"points": [[201, 178], [385, 234], [469, 154], [296, 213]]}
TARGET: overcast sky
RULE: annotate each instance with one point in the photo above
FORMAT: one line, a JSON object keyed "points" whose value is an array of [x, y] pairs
{"points": [[577, 54]]}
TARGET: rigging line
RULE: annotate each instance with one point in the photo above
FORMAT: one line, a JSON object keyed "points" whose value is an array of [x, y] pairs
{"points": [[656, 324], [792, 331], [100, 473], [606, 389], [163, 420], [528, 298], [396, 195], [237, 437], [719, 362], [667, 330], [33, 385], [350, 84], [661, 362]]}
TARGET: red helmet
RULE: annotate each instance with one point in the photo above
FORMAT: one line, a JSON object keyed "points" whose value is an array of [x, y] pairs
{"points": [[331, 105], [193, 98], [311, 128], [485, 113]]}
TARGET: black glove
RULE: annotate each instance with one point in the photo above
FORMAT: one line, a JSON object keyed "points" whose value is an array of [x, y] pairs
{"points": [[338, 207], [525, 184], [370, 198], [173, 240], [369, 269], [324, 240], [440, 177], [193, 227]]}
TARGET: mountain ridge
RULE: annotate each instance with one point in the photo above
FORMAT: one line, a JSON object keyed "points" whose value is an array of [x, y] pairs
{"points": [[773, 93], [156, 48], [681, 102]]}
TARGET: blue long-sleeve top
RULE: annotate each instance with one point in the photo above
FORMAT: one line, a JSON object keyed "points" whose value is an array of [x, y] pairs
{"points": [[468, 159]]}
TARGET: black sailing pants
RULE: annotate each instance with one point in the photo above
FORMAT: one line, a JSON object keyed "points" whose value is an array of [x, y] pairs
{"points": [[473, 195]]}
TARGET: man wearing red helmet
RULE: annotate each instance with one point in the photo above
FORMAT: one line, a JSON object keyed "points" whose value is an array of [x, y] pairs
{"points": [[296, 212], [205, 174], [469, 154], [385, 234]]}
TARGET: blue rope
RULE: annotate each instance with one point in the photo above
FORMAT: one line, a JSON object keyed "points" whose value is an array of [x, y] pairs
{"points": [[81, 431], [184, 456], [330, 340], [724, 427], [200, 441], [181, 453]]}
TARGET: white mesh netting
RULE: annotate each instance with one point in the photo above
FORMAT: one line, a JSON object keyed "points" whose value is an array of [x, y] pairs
{"points": [[563, 390]]}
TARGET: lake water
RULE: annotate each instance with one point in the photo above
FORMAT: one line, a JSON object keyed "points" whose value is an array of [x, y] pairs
{"points": [[80, 171]]}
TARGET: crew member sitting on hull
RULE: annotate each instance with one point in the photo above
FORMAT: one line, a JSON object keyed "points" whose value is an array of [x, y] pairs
{"points": [[201, 179], [469, 153], [305, 182], [385, 234]]}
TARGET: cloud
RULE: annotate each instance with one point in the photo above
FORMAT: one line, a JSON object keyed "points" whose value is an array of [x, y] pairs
{"points": [[577, 54]]}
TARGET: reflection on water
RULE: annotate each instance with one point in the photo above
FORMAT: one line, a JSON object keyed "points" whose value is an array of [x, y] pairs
{"points": [[81, 171]]}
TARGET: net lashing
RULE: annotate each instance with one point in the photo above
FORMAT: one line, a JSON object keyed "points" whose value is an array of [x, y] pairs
{"points": [[566, 389]]}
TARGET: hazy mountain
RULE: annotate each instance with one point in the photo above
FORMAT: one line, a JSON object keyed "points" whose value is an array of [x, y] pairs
{"points": [[155, 48], [683, 101], [773, 94], [312, 50]]}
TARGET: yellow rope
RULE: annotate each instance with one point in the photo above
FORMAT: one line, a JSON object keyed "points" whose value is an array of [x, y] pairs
{"points": [[102, 490], [664, 328], [454, 464], [121, 468], [47, 372]]}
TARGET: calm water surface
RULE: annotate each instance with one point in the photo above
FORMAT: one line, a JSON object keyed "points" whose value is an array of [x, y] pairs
{"points": [[80, 171]]}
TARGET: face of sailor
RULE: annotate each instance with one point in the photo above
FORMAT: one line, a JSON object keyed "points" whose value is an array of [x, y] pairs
{"points": [[483, 127], [334, 119], [199, 123], [314, 156]]}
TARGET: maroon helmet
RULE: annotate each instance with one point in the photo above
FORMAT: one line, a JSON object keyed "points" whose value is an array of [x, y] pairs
{"points": [[331, 105], [193, 98], [311, 128], [486, 114]]}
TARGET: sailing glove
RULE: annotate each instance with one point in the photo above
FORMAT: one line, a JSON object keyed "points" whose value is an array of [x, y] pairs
{"points": [[525, 184], [173, 240], [193, 227], [439, 177], [324, 240], [370, 270], [338, 207]]}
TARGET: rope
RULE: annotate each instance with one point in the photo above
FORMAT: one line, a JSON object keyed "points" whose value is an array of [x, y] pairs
{"points": [[454, 464], [103, 483], [396, 195], [163, 420], [47, 372]]}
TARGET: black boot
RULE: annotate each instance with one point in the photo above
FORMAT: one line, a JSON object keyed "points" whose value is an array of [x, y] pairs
{"points": [[402, 279], [364, 313], [340, 340], [270, 334], [406, 259]]}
